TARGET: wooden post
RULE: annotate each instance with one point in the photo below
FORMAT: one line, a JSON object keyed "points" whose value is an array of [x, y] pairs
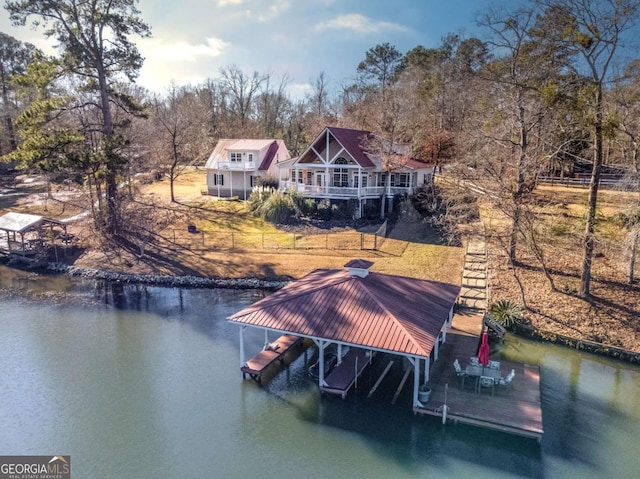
{"points": [[242, 345], [426, 369], [321, 364], [416, 379]]}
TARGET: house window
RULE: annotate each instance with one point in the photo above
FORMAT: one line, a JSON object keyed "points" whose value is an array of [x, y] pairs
{"points": [[403, 180], [341, 177], [250, 157], [300, 177], [341, 161], [253, 181], [236, 157], [356, 178], [309, 177], [218, 180]]}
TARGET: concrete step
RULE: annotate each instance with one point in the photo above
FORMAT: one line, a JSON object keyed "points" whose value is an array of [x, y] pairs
{"points": [[472, 258], [477, 248], [474, 282], [473, 274], [473, 293], [475, 266], [476, 304]]}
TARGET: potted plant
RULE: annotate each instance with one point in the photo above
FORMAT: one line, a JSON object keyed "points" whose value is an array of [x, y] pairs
{"points": [[424, 393]]}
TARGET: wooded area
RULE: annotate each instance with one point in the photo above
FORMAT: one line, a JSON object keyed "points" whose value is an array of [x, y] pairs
{"points": [[552, 88]]}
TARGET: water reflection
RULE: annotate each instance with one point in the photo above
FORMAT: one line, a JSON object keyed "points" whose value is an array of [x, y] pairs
{"points": [[151, 376]]}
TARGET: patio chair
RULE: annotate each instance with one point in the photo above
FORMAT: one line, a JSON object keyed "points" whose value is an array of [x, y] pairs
{"points": [[486, 382], [507, 381], [494, 364], [461, 373]]}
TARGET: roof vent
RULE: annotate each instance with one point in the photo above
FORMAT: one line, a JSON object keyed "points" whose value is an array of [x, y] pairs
{"points": [[358, 267]]}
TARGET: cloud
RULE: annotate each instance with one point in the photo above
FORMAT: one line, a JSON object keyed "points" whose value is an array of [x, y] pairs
{"points": [[274, 10], [358, 23], [299, 90], [182, 51], [224, 3]]}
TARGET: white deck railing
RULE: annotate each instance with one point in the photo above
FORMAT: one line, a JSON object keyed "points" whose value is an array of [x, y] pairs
{"points": [[237, 165], [342, 192]]}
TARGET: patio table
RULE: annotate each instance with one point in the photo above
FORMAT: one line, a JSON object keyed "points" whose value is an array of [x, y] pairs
{"points": [[485, 376]]}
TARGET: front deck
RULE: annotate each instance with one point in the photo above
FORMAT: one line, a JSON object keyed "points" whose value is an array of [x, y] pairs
{"points": [[516, 410]]}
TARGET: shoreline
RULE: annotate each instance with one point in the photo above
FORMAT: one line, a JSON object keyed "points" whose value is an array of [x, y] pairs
{"points": [[189, 281], [166, 280]]}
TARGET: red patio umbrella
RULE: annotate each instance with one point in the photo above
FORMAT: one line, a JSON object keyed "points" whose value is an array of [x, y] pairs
{"points": [[483, 353]]}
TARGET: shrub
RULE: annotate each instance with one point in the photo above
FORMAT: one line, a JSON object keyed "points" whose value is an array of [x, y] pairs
{"points": [[268, 182], [308, 207], [273, 205], [257, 199], [279, 208], [323, 210], [506, 312], [371, 210]]}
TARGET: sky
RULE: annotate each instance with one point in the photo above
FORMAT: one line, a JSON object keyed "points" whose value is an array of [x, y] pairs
{"points": [[193, 39]]}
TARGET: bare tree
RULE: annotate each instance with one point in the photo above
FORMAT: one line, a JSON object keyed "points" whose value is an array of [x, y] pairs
{"points": [[242, 89], [181, 119]]}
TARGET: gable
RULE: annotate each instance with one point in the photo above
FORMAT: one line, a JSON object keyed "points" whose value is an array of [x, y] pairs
{"points": [[334, 143]]}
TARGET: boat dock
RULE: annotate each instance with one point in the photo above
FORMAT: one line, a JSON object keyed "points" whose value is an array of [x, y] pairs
{"points": [[515, 410], [346, 374], [275, 351]]}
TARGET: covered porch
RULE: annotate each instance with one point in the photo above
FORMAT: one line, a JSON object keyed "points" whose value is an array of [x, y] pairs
{"points": [[352, 183]]}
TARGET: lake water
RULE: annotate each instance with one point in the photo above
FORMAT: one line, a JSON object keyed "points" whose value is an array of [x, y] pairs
{"points": [[142, 382]]}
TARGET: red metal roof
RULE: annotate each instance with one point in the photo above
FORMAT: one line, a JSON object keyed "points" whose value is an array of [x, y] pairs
{"points": [[380, 311], [354, 141], [415, 164], [268, 158]]}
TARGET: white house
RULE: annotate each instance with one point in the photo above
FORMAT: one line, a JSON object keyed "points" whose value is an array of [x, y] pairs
{"points": [[337, 165], [235, 165]]}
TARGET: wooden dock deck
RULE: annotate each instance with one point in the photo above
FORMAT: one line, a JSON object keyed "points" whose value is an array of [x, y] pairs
{"points": [[345, 374], [516, 410]]}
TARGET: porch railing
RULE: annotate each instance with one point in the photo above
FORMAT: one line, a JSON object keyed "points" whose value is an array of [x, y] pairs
{"points": [[237, 166], [342, 191]]}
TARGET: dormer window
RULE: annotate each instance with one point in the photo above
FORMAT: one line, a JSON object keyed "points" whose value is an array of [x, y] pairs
{"points": [[236, 157], [341, 161]]}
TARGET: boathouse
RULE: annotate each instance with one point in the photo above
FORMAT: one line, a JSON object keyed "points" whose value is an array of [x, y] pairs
{"points": [[358, 310]]}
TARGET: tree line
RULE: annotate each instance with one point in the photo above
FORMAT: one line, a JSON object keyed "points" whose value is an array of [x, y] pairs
{"points": [[550, 87]]}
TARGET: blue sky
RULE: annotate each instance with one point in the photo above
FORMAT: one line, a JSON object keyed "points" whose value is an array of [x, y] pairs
{"points": [[193, 39]]}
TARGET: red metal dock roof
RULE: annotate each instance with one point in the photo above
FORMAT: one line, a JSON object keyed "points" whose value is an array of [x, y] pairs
{"points": [[379, 311]]}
